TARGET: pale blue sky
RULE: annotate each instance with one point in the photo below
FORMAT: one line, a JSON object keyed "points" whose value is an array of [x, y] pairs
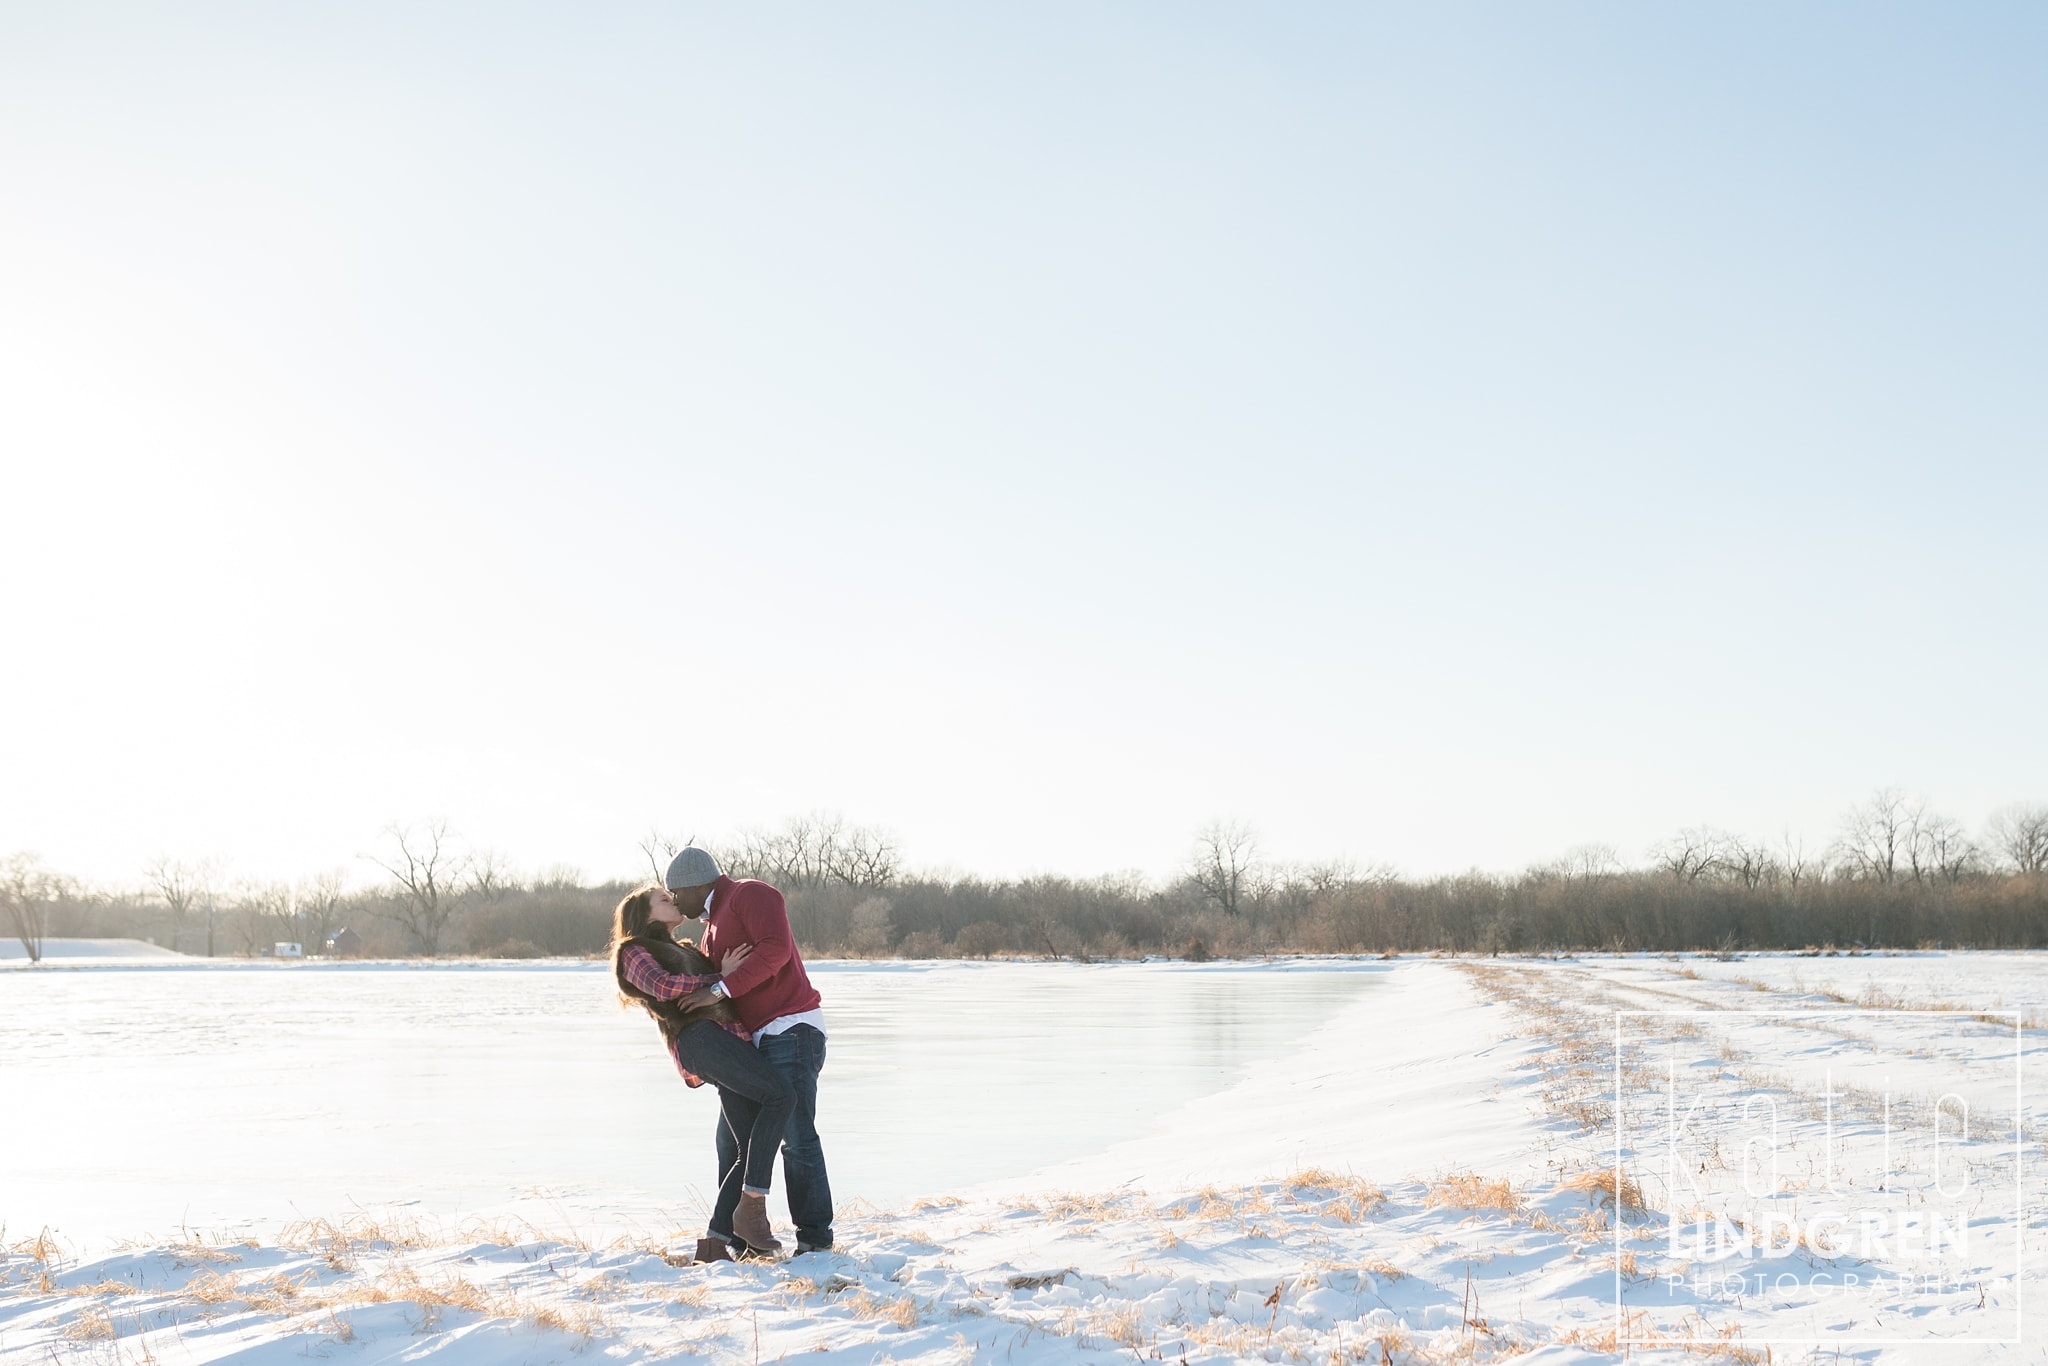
{"points": [[1440, 435]]}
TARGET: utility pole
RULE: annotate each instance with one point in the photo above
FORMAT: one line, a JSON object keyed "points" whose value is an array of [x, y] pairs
{"points": [[209, 924]]}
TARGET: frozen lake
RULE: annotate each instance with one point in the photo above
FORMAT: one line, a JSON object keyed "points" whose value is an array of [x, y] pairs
{"points": [[220, 1097]]}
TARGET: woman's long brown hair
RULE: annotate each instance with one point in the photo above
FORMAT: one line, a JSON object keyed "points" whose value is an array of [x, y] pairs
{"points": [[631, 920]]}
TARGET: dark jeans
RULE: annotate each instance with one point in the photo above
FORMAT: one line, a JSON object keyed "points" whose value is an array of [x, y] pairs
{"points": [[798, 1055], [755, 1101]]}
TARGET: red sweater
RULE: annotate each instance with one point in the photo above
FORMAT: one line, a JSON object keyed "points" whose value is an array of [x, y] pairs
{"points": [[772, 982]]}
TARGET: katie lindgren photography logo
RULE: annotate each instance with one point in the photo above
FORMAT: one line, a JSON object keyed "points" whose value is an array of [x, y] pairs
{"points": [[1819, 1177]]}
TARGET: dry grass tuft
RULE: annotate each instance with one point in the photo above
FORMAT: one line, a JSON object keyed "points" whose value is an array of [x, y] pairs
{"points": [[191, 1252], [278, 1295], [502, 1232], [1124, 1325], [1615, 1190], [211, 1287], [103, 1289], [582, 1321], [1208, 1205], [341, 1244], [1094, 1207], [286, 1296], [1625, 1263], [1239, 1340], [41, 1249], [455, 1292], [404, 1286], [326, 1237], [609, 1285], [1214, 1206], [1469, 1190], [1348, 1198], [1391, 1341], [900, 1310], [1697, 1338], [93, 1324]]}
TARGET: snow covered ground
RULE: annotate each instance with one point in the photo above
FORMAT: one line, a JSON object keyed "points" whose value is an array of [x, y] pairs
{"points": [[1811, 1159]]}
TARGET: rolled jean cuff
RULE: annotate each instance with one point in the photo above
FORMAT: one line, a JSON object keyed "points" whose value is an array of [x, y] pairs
{"points": [[755, 1190]]}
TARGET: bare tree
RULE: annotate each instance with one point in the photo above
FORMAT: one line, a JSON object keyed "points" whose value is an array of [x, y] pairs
{"points": [[490, 876], [2019, 835], [267, 912], [1056, 939], [184, 887], [1752, 863], [27, 889], [1938, 847], [320, 899], [1291, 890], [557, 877], [660, 849], [793, 857], [1795, 862], [249, 917], [865, 859], [1877, 835], [1225, 864], [1692, 854], [807, 852], [427, 875], [1583, 861]]}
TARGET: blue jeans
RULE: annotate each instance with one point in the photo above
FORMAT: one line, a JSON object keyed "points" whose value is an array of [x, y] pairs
{"points": [[799, 1055], [754, 1106]]}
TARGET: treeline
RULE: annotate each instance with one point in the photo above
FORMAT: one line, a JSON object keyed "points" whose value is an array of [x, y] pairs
{"points": [[1897, 875], [1474, 913]]}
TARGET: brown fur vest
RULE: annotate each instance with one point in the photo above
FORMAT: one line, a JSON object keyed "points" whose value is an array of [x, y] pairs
{"points": [[680, 957]]}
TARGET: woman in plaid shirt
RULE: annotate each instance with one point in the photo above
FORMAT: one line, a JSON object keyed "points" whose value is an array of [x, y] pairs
{"points": [[708, 1044]]}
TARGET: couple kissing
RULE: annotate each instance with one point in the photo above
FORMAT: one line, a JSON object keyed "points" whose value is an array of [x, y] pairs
{"points": [[737, 1010]]}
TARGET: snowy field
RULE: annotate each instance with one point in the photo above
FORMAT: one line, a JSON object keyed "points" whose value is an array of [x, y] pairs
{"points": [[1767, 1158]]}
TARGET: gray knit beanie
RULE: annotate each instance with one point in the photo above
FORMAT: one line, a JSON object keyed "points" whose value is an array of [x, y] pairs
{"points": [[693, 867]]}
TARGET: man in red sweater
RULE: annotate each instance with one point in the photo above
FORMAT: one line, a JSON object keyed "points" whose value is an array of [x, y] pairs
{"points": [[777, 1002]]}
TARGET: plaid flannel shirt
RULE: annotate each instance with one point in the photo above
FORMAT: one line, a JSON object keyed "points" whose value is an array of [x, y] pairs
{"points": [[648, 976]]}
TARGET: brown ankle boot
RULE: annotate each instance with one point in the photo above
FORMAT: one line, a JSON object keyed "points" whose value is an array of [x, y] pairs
{"points": [[713, 1250], [750, 1222]]}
